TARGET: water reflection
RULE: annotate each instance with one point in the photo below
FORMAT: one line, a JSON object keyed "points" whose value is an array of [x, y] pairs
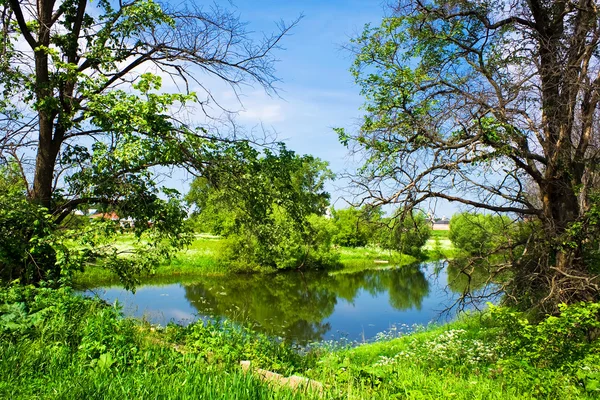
{"points": [[304, 306]]}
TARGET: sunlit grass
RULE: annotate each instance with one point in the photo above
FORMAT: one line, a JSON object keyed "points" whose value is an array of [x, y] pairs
{"points": [[200, 258], [54, 345]]}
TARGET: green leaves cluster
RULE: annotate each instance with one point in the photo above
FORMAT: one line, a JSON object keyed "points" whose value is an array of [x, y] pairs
{"points": [[83, 102], [270, 214], [406, 233], [480, 234]]}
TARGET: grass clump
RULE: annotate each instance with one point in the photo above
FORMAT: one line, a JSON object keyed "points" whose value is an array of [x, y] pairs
{"points": [[483, 356], [54, 344]]}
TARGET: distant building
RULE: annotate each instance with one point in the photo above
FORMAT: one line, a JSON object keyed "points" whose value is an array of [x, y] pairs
{"points": [[112, 216], [125, 223], [440, 224]]}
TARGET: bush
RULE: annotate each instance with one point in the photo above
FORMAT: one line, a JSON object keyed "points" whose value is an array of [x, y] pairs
{"points": [[353, 227], [27, 246], [281, 243], [408, 235], [479, 234]]}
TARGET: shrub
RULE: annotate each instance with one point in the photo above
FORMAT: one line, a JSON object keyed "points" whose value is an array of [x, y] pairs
{"points": [[352, 227], [408, 235], [281, 243], [479, 233]]}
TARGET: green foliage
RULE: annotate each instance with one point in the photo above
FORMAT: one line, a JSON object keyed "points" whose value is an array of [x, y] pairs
{"points": [[355, 227], [480, 233], [54, 344], [557, 342], [27, 246], [270, 214], [497, 354], [225, 342], [367, 226], [407, 235], [99, 129]]}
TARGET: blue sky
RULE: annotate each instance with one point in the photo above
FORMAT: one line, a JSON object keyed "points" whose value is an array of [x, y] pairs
{"points": [[316, 92]]}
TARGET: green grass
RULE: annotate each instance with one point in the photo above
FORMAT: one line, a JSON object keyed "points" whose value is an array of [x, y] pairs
{"points": [[440, 234], [439, 246], [355, 259], [31, 370], [459, 360], [200, 258], [54, 345]]}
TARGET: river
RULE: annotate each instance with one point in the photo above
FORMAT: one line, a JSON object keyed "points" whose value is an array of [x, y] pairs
{"points": [[302, 307]]}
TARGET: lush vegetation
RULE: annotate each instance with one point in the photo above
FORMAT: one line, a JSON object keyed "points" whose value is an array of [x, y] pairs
{"points": [[58, 345], [271, 215], [480, 234], [367, 226], [491, 105]]}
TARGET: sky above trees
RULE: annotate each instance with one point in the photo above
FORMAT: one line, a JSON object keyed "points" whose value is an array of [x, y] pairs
{"points": [[316, 92]]}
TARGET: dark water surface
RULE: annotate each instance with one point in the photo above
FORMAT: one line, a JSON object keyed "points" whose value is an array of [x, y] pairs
{"points": [[301, 307]]}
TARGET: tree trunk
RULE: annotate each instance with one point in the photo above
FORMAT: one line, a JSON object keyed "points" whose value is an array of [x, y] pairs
{"points": [[47, 149], [44, 165]]}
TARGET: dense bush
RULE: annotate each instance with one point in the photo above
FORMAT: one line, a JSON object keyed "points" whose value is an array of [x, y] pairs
{"points": [[270, 215], [280, 244], [356, 227], [407, 235], [27, 246], [480, 233], [353, 227]]}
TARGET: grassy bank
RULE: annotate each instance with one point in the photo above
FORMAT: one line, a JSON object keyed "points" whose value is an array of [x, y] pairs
{"points": [[56, 345], [201, 258]]}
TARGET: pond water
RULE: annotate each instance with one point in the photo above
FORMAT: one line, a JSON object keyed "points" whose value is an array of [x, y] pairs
{"points": [[302, 307]]}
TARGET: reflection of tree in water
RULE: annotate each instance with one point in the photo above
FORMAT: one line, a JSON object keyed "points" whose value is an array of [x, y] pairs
{"points": [[467, 276], [288, 305], [293, 305], [406, 286]]}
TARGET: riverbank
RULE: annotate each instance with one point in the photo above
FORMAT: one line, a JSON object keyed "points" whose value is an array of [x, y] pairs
{"points": [[201, 258], [57, 345]]}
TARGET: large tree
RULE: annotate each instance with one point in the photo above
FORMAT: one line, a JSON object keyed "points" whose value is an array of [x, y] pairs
{"points": [[83, 115], [492, 104]]}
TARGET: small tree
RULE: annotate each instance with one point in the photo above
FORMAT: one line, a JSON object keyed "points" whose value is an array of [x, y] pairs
{"points": [[481, 234], [270, 214], [407, 234], [354, 227]]}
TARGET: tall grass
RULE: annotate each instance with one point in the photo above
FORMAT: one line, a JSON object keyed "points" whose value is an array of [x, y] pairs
{"points": [[55, 345]]}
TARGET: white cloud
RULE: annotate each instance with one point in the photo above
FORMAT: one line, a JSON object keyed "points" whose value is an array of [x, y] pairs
{"points": [[268, 113]]}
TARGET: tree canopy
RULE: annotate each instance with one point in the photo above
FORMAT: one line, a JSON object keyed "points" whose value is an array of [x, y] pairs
{"points": [[84, 118], [493, 105], [271, 212]]}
